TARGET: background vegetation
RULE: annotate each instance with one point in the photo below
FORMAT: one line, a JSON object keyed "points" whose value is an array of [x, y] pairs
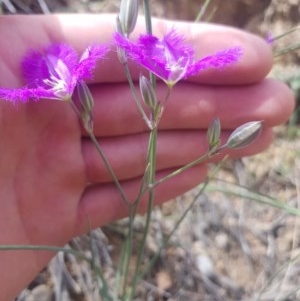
{"points": [[234, 244]]}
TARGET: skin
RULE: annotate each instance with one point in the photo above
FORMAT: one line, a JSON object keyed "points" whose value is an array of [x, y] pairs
{"points": [[47, 160]]}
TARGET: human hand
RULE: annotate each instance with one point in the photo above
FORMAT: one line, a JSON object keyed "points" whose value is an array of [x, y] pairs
{"points": [[52, 180]]}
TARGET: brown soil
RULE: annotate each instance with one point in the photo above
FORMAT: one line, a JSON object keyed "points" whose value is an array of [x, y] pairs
{"points": [[231, 246]]}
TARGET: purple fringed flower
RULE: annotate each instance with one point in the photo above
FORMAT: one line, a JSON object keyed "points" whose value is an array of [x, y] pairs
{"points": [[54, 73], [170, 58]]}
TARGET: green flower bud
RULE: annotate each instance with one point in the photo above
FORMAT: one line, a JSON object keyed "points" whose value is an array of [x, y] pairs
{"points": [[86, 105], [244, 135], [119, 27], [156, 113], [214, 133], [148, 93]]}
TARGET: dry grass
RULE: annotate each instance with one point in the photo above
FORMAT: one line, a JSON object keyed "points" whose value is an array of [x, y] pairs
{"points": [[230, 246]]}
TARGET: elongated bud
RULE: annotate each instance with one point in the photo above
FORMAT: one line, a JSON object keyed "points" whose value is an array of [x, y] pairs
{"points": [[148, 92], [214, 133], [120, 52], [244, 135], [156, 113], [150, 99], [119, 27], [86, 103], [129, 11]]}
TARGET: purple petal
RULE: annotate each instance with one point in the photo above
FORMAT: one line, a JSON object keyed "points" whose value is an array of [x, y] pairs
{"points": [[54, 73], [176, 44], [25, 94], [159, 56], [140, 54], [64, 52], [36, 65], [219, 60], [88, 61], [166, 50], [171, 58], [130, 47]]}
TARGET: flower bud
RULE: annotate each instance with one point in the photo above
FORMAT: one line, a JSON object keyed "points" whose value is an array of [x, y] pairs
{"points": [[86, 103], [119, 27], [120, 52], [156, 113], [244, 134], [214, 133], [129, 11], [148, 92]]}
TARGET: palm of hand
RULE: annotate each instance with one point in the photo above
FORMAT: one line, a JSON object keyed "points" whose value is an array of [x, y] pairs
{"points": [[44, 172]]}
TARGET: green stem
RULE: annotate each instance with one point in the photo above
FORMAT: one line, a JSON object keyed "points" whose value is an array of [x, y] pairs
{"points": [[135, 96], [151, 179], [287, 49], [147, 12], [109, 168], [128, 249], [202, 11], [156, 118], [201, 159], [42, 248], [285, 33], [55, 249], [101, 153], [129, 239], [178, 223]]}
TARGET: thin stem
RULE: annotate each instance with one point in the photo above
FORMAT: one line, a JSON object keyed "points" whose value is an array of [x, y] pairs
{"points": [[285, 33], [149, 172], [119, 274], [147, 12], [95, 265], [155, 120], [151, 179], [178, 223], [144, 186], [135, 96], [169, 90], [287, 49], [129, 239], [101, 153], [128, 249], [202, 11], [53, 249], [201, 159], [275, 275], [109, 168]]}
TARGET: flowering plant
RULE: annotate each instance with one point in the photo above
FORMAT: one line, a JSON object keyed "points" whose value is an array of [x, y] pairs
{"points": [[57, 71], [54, 73], [170, 58]]}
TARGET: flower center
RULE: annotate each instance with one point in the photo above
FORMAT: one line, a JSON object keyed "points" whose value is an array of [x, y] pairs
{"points": [[59, 77]]}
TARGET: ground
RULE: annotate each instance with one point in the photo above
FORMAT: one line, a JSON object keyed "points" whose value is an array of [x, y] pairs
{"points": [[240, 241]]}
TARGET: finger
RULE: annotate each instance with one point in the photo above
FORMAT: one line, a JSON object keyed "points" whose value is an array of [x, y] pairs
{"points": [[128, 154], [84, 30], [193, 107], [102, 204]]}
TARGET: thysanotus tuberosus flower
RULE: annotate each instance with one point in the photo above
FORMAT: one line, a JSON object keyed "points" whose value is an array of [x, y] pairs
{"points": [[170, 58], [54, 73]]}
